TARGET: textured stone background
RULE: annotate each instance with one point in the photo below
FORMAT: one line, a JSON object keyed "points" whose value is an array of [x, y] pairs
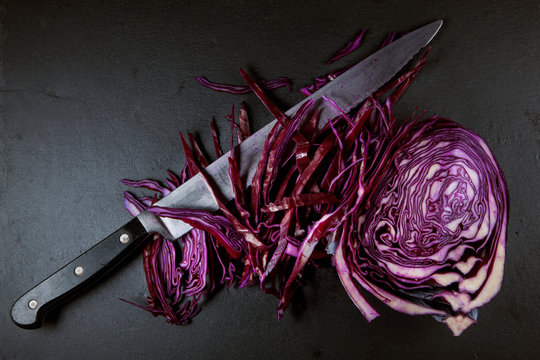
{"points": [[95, 91]]}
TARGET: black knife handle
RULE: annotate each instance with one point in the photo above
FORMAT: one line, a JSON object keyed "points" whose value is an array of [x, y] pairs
{"points": [[29, 310]]}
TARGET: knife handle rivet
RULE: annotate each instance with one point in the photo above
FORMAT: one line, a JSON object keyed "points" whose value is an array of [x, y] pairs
{"points": [[32, 304], [124, 238], [79, 270]]}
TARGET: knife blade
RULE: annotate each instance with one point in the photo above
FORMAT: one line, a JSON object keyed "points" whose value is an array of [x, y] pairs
{"points": [[347, 91]]}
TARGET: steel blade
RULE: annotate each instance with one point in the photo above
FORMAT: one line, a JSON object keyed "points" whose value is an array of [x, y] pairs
{"points": [[348, 90]]}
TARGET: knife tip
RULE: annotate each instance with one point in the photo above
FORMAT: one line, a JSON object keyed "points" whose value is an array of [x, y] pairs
{"points": [[432, 29]]}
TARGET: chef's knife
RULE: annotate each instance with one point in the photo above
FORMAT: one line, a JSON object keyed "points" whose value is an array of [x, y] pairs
{"points": [[347, 90]]}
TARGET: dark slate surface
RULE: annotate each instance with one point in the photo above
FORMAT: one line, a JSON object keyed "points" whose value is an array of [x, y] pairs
{"points": [[95, 91]]}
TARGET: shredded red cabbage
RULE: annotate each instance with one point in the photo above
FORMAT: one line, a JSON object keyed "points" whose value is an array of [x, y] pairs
{"points": [[176, 284], [320, 81], [414, 214], [350, 47], [276, 83]]}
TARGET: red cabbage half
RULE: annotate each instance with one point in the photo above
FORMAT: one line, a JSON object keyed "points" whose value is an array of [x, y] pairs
{"points": [[430, 236]]}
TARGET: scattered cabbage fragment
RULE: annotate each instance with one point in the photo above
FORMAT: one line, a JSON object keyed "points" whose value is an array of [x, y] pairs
{"points": [[276, 83]]}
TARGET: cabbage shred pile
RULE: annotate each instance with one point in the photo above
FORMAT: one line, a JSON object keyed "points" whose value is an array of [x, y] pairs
{"points": [[412, 212]]}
